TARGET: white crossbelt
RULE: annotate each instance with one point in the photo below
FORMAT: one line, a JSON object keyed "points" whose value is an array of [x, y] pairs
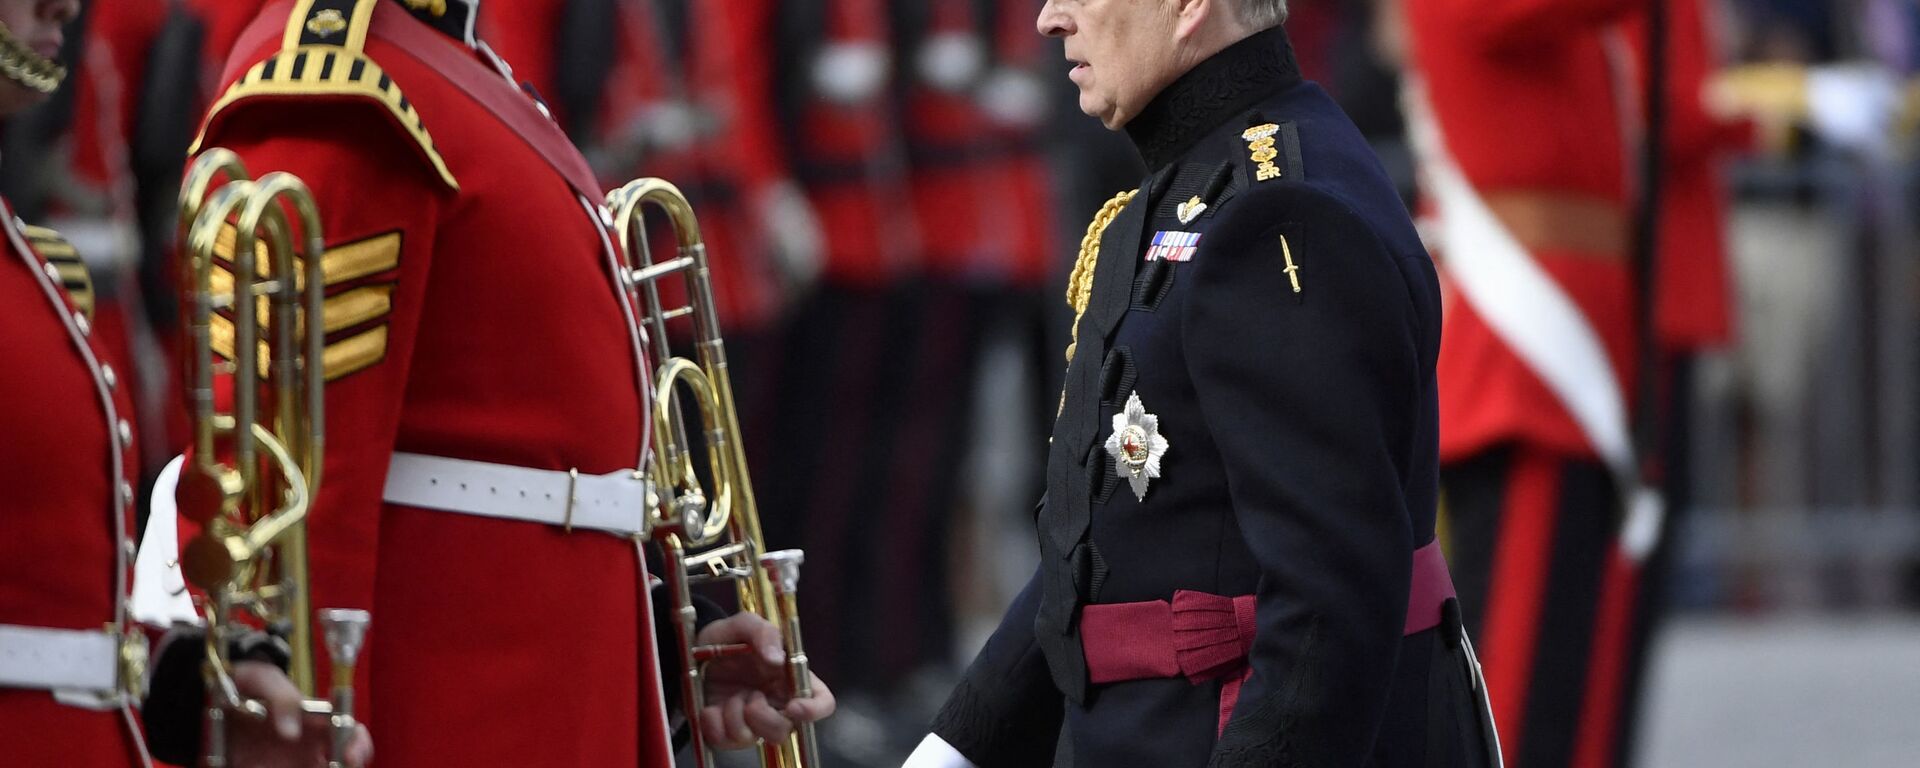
{"points": [[61, 660], [615, 502]]}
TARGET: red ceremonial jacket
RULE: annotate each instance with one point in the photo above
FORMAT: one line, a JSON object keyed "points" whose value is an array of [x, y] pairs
{"points": [[837, 103], [68, 464], [979, 181], [1527, 100], [475, 318], [724, 167], [1694, 304]]}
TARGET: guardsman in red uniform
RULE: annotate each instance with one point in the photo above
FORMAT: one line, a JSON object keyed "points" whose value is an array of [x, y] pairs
{"points": [[683, 92], [485, 370], [108, 186], [72, 660], [970, 107], [1516, 114]]}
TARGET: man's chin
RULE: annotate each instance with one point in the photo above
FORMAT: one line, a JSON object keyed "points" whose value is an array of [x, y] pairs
{"points": [[1105, 112]]}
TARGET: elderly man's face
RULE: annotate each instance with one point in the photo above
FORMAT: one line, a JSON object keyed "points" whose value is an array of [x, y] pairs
{"points": [[1122, 52], [36, 24]]}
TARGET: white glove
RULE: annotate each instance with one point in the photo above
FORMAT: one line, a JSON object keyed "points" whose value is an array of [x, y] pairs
{"points": [[1853, 106], [1014, 97], [851, 73], [935, 752], [792, 233], [159, 590]]}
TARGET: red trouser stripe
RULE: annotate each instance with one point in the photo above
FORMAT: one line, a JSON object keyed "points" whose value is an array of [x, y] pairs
{"points": [[1531, 504], [1600, 711]]}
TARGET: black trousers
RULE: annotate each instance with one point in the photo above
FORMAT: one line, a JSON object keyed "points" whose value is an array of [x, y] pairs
{"points": [[1548, 599]]}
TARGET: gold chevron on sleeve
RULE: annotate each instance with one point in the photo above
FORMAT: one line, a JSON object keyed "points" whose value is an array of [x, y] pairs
{"points": [[360, 312], [73, 274], [341, 263]]}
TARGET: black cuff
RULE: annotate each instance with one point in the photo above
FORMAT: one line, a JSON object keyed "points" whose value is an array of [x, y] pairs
{"points": [[995, 733], [705, 612], [174, 712]]}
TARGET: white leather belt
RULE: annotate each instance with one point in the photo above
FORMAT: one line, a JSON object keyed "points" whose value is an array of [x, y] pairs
{"points": [[59, 660], [614, 502]]}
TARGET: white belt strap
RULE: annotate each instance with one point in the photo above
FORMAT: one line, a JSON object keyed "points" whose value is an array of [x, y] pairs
{"points": [[614, 502], [1534, 316], [59, 660]]}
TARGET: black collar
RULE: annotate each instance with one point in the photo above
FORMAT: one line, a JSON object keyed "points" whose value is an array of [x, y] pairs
{"points": [[1232, 80]]}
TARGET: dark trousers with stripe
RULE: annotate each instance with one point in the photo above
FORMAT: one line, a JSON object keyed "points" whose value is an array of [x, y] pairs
{"points": [[1548, 599]]}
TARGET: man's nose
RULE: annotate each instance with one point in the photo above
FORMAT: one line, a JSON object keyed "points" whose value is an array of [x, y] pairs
{"points": [[1053, 22]]}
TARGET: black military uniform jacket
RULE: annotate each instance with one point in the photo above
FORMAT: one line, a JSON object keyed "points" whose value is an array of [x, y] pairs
{"points": [[1284, 335]]}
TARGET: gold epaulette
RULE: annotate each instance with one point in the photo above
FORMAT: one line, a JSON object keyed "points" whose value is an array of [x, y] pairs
{"points": [[61, 254], [323, 53]]}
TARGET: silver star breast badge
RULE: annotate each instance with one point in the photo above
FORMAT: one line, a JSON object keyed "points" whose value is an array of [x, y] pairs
{"points": [[1136, 445]]}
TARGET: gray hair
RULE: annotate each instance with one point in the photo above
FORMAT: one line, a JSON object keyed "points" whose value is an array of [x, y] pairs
{"points": [[1263, 14]]}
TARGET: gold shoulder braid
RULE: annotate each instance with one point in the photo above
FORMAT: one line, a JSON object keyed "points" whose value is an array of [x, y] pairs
{"points": [[1080, 280], [25, 66]]}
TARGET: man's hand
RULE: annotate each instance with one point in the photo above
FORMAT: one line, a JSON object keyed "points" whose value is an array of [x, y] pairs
{"points": [[288, 737], [747, 694]]}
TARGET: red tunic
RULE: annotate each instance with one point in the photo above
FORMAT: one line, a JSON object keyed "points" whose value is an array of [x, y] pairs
{"points": [[979, 185], [68, 470], [504, 340], [1527, 100], [1694, 304], [94, 205], [848, 149], [724, 168]]}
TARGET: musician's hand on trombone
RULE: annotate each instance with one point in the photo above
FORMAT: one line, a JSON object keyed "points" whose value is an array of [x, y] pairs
{"points": [[747, 693], [288, 737]]}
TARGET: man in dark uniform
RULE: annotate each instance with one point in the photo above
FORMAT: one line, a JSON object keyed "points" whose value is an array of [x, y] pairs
{"points": [[1237, 557]]}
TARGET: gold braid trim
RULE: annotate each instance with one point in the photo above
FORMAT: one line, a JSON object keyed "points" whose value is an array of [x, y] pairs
{"points": [[1080, 281], [26, 66]]}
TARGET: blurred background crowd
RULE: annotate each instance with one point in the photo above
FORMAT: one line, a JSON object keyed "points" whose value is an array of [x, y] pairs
{"points": [[893, 189]]}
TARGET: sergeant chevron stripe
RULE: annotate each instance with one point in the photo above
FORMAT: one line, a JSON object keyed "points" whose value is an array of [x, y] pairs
{"points": [[354, 316], [61, 254]]}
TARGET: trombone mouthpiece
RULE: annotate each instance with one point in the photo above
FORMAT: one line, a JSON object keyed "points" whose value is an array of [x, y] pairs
{"points": [[345, 629], [783, 569]]}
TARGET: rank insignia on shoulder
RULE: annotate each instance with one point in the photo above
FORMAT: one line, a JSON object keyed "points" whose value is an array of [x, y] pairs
{"points": [[1136, 445], [1191, 209], [1173, 246], [1260, 145], [327, 22]]}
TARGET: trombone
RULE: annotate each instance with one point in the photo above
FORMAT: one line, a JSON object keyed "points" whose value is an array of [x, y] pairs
{"points": [[252, 476], [705, 536]]}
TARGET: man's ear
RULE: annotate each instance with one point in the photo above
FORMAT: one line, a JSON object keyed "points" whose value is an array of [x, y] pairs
{"points": [[1189, 16]]}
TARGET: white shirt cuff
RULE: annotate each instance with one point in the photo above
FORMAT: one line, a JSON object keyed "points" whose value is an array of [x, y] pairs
{"points": [[935, 752]]}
